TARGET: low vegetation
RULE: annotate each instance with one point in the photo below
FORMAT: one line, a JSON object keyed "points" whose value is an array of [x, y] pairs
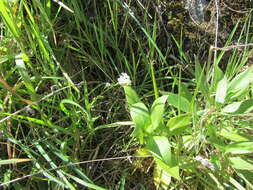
{"points": [[124, 94]]}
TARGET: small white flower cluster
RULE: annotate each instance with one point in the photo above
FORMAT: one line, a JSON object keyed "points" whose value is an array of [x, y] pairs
{"points": [[124, 79], [107, 84], [205, 162], [19, 61]]}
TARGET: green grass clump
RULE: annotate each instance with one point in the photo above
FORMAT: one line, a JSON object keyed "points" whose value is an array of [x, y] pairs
{"points": [[66, 123]]}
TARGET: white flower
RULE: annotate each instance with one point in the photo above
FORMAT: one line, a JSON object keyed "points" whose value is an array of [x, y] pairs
{"points": [[124, 79], [19, 61], [107, 84], [205, 162]]}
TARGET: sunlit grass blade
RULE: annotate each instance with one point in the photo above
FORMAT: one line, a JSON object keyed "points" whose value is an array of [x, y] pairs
{"points": [[14, 161], [53, 165]]}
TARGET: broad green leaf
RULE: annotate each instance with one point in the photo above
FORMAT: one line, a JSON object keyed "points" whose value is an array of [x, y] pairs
{"points": [[14, 161], [241, 164], [140, 115], [234, 135], [162, 179], [184, 92], [157, 110], [131, 95], [178, 122], [240, 84], [221, 90], [231, 108], [239, 148], [179, 102], [141, 118], [187, 141], [171, 170], [159, 146], [239, 107]]}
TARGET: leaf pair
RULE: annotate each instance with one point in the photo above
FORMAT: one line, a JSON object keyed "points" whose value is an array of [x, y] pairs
{"points": [[146, 121], [237, 88], [160, 148], [227, 91]]}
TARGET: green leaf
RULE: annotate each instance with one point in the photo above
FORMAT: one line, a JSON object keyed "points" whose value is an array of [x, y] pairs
{"points": [[157, 110], [184, 92], [162, 179], [9, 20], [159, 146], [171, 170], [218, 75], [239, 107], [49, 160], [141, 118], [239, 148], [221, 90], [231, 108], [179, 102], [241, 164], [43, 122], [236, 184], [247, 176], [187, 141], [178, 122], [234, 135], [71, 102], [240, 84], [131, 95], [201, 79], [24, 73]]}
